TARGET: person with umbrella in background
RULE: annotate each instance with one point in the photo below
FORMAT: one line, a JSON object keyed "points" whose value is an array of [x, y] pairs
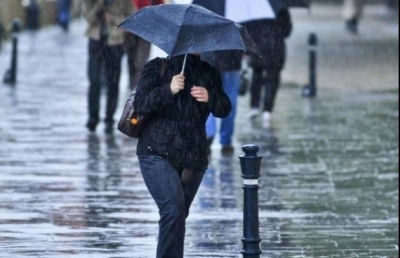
{"points": [[105, 48], [138, 49], [177, 94], [269, 35], [269, 24]]}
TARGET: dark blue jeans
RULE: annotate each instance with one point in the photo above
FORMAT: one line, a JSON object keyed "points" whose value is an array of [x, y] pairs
{"points": [[173, 200]]}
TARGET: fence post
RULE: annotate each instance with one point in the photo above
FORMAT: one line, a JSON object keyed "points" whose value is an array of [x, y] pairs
{"points": [[250, 164], [11, 75], [310, 90]]}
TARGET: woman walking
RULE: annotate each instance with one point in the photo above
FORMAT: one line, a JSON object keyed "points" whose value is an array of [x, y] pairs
{"points": [[172, 149]]}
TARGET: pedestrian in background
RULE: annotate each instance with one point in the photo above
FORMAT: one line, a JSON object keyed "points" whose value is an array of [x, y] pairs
{"points": [[64, 13], [172, 149], [269, 35], [138, 49], [352, 11], [32, 15], [106, 47], [229, 63]]}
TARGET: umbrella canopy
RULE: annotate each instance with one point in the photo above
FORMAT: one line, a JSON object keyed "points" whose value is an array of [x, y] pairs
{"points": [[245, 10], [181, 29]]}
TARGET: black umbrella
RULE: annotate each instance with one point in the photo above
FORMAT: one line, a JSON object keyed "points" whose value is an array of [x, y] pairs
{"points": [[182, 29]]}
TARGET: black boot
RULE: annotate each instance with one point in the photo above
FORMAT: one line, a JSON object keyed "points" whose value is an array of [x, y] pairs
{"points": [[92, 124], [352, 26]]}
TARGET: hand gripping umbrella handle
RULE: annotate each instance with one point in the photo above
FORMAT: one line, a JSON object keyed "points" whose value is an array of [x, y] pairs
{"points": [[184, 64]]}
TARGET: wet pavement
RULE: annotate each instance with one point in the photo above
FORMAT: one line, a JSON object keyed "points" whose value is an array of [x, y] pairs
{"points": [[328, 186]]}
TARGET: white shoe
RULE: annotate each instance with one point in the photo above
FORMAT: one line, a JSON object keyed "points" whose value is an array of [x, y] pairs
{"points": [[253, 113], [266, 119]]}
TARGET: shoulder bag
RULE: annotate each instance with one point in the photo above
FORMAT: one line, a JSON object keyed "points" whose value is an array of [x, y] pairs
{"points": [[131, 122]]}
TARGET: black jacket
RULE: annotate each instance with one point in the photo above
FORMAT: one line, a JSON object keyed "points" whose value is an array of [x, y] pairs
{"points": [[269, 36], [176, 130]]}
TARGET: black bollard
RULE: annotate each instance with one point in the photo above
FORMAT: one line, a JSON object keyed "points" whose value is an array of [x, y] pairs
{"points": [[310, 90], [11, 75], [250, 164]]}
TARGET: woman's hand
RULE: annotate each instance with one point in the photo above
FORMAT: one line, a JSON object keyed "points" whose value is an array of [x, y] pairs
{"points": [[177, 83], [200, 94]]}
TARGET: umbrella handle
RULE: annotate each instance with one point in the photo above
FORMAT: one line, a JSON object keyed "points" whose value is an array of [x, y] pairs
{"points": [[184, 64]]}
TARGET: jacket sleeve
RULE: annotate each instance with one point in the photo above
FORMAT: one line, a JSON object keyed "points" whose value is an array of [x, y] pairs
{"points": [[151, 97], [218, 103]]}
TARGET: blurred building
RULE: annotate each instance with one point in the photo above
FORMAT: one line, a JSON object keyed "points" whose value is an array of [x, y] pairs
{"points": [[10, 9]]}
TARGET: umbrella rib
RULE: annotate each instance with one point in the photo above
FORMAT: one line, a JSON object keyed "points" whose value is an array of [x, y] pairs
{"points": [[241, 38]]}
